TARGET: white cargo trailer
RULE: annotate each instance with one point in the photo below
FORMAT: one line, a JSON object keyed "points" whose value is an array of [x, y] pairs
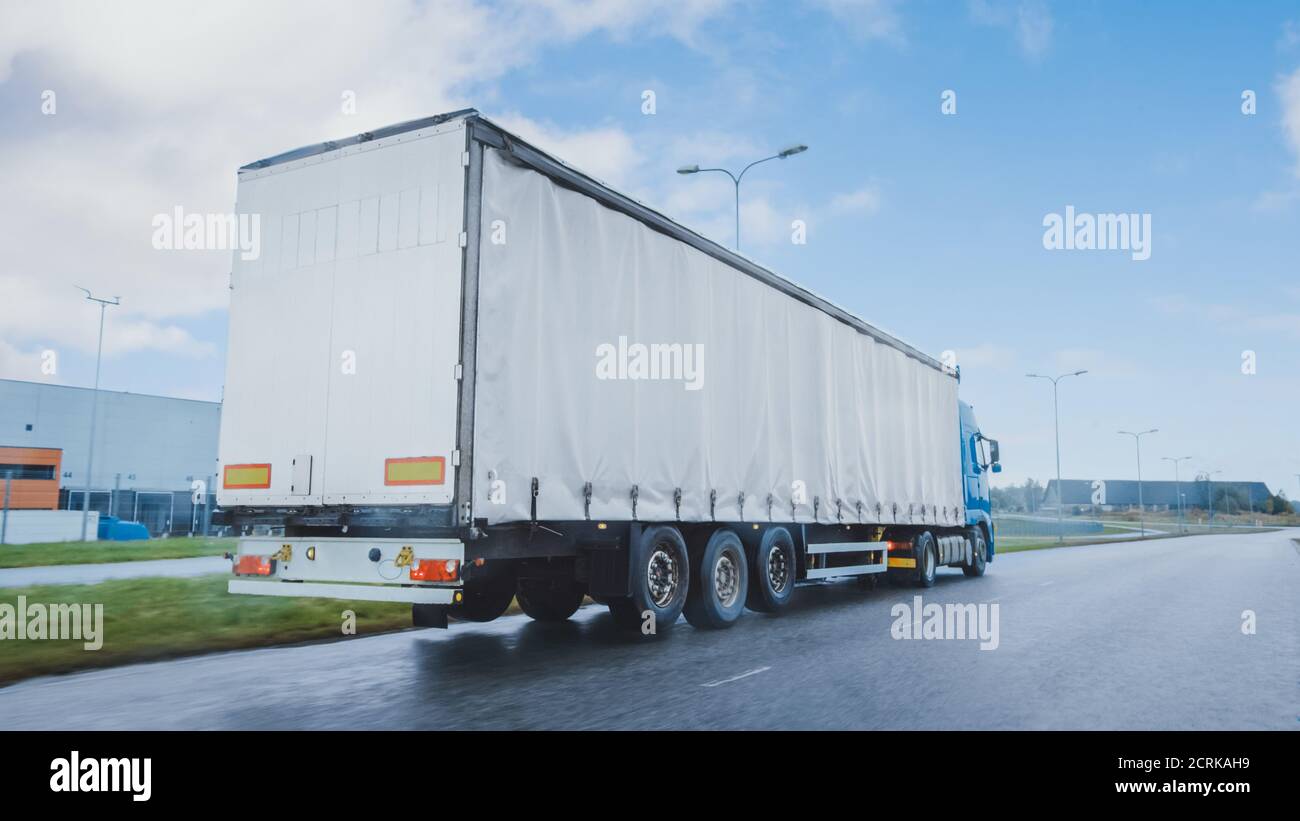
{"points": [[462, 371]]}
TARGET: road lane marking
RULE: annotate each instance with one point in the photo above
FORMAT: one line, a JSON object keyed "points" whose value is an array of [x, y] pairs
{"points": [[1045, 584], [736, 678]]}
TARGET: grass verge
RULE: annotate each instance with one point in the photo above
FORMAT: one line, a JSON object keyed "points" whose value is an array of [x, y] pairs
{"points": [[55, 553], [154, 618], [1016, 544]]}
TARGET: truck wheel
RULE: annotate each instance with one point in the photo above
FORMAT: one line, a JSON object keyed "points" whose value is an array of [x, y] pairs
{"points": [[485, 600], [980, 557], [661, 575], [720, 582], [772, 572], [549, 599], [927, 559]]}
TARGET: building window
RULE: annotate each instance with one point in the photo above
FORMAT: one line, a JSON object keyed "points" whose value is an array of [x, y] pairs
{"points": [[43, 472]]}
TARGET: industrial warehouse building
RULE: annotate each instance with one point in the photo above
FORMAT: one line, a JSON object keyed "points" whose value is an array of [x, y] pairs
{"points": [[148, 449], [1118, 494]]}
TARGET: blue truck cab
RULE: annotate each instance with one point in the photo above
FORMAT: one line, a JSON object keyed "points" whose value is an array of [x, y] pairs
{"points": [[979, 458]]}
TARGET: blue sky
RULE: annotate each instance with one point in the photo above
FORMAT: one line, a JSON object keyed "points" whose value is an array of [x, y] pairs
{"points": [[926, 224]]}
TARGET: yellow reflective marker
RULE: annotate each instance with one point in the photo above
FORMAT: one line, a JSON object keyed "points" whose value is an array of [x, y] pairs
{"points": [[415, 470]]}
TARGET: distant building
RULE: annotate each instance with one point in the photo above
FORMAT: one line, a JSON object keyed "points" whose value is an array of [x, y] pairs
{"points": [[1123, 493], [148, 449]]}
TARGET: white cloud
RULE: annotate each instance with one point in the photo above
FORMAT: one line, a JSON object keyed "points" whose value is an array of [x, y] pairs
{"points": [[864, 200], [867, 19], [160, 102], [1233, 317], [1288, 92], [1030, 20], [23, 363], [985, 356]]}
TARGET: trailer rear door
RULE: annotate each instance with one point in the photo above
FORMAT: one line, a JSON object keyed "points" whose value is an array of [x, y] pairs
{"points": [[345, 332]]}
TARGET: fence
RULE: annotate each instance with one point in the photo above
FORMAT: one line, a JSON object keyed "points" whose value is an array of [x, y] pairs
{"points": [[163, 512]]}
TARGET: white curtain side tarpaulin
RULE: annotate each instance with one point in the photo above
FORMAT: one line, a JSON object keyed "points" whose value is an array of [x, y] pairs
{"points": [[761, 395]]}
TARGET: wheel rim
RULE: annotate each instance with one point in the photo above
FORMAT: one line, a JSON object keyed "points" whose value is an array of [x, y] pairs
{"points": [[929, 561], [778, 571], [663, 575], [726, 580]]}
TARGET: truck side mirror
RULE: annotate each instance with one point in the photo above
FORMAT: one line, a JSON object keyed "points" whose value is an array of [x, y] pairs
{"points": [[993, 449], [996, 468]]}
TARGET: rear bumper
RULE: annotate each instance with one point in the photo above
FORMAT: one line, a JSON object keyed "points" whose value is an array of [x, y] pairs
{"points": [[381, 570], [354, 592]]}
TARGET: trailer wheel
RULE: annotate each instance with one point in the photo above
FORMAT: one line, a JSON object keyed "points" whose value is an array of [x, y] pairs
{"points": [[660, 576], [485, 599], [720, 582], [979, 559], [772, 572], [927, 559], [549, 599]]}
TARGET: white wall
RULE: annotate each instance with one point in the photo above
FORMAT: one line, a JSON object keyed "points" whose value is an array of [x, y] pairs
{"points": [[32, 526]]}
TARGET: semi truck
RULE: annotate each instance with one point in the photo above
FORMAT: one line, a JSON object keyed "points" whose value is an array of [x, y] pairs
{"points": [[462, 373]]}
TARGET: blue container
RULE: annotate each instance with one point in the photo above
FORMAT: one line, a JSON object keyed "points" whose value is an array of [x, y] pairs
{"points": [[113, 529]]}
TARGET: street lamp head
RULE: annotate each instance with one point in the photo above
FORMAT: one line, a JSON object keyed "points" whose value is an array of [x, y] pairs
{"points": [[689, 169], [1078, 373], [790, 151]]}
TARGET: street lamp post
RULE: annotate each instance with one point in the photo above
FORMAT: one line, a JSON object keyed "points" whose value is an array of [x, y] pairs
{"points": [[1056, 417], [1137, 440], [1209, 491], [1178, 489], [736, 178], [94, 405]]}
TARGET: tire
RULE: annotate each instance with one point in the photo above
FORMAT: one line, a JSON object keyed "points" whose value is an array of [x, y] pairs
{"points": [[927, 559], [980, 555], [719, 582], [485, 599], [661, 576], [772, 572], [549, 599]]}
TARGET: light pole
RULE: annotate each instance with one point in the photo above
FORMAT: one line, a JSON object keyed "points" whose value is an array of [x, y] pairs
{"points": [[1209, 491], [1178, 488], [736, 178], [1137, 440], [94, 405], [1056, 417]]}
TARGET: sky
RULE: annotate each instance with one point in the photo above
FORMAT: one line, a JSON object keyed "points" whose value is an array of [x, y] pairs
{"points": [[941, 137]]}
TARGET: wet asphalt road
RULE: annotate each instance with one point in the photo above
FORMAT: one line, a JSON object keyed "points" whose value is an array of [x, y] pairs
{"points": [[1130, 635]]}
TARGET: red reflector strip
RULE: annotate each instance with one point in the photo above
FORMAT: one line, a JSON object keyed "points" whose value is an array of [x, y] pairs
{"points": [[898, 546], [435, 570], [239, 477], [254, 566], [415, 470]]}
